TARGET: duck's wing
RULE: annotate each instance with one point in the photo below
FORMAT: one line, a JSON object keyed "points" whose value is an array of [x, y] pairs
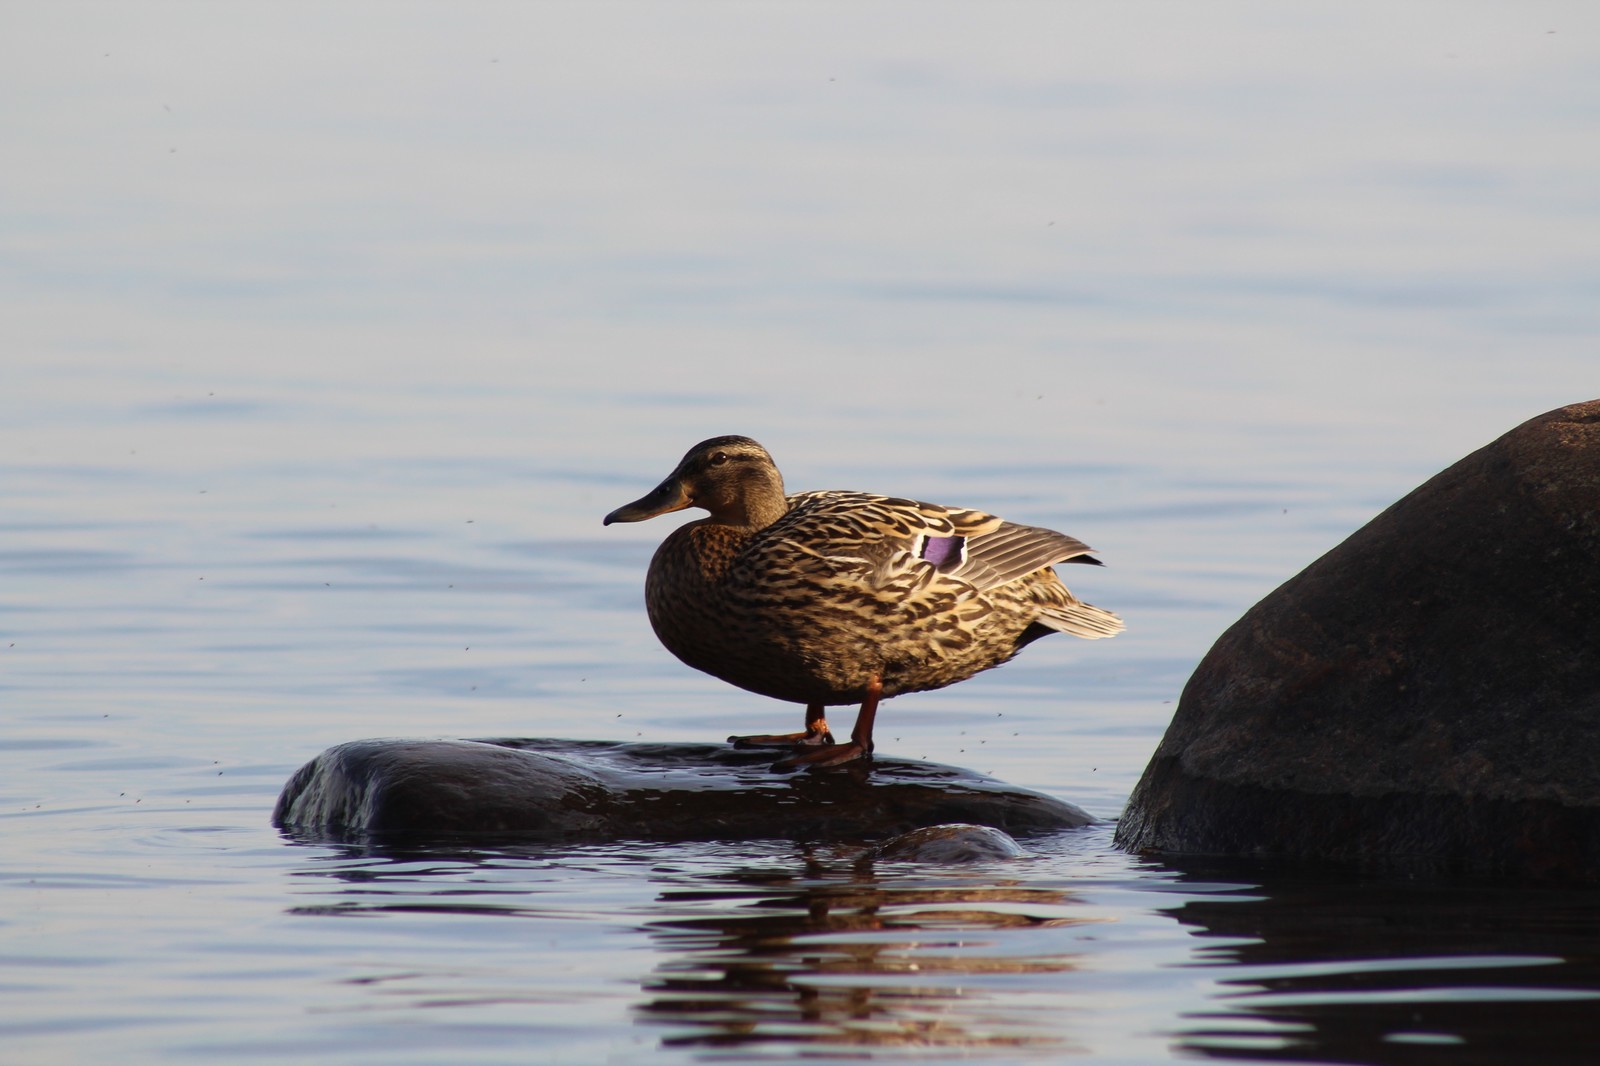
{"points": [[890, 537], [868, 553], [997, 556]]}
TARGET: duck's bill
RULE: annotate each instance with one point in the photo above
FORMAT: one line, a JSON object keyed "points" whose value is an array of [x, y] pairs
{"points": [[669, 496]]}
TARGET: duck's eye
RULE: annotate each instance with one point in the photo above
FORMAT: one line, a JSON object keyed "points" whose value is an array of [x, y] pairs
{"points": [[718, 458]]}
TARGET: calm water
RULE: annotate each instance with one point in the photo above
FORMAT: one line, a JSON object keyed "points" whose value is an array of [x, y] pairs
{"points": [[329, 335]]}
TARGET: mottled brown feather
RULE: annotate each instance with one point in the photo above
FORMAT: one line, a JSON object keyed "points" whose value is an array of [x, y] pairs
{"points": [[813, 605]]}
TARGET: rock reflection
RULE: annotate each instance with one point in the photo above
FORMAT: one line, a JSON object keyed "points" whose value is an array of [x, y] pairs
{"points": [[847, 960], [1394, 972]]}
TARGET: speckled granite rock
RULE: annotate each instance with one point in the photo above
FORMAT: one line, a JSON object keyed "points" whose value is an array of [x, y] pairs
{"points": [[567, 790], [1428, 689]]}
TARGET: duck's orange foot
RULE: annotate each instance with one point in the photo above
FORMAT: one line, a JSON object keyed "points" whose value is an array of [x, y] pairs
{"points": [[811, 738], [823, 758]]}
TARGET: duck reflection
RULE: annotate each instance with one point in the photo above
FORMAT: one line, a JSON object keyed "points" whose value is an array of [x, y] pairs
{"points": [[823, 952], [847, 959]]}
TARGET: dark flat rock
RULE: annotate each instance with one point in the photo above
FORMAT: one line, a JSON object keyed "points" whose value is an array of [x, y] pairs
{"points": [[573, 790], [1429, 689]]}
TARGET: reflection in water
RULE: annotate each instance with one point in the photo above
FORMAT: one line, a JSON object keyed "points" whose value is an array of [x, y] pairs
{"points": [[1336, 970], [757, 950], [819, 951], [854, 961]]}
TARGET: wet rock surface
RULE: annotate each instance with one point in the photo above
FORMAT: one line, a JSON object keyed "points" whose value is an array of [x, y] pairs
{"points": [[950, 844], [1428, 689], [583, 791]]}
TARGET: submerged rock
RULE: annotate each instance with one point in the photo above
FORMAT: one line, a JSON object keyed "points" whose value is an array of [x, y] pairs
{"points": [[956, 843], [1428, 689], [572, 790]]}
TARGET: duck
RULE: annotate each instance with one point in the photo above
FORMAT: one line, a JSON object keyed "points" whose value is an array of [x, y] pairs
{"points": [[836, 597]]}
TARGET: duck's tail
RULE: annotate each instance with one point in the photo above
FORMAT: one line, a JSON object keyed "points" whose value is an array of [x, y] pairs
{"points": [[1081, 620]]}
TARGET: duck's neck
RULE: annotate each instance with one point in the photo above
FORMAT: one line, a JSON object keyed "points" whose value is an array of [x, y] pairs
{"points": [[758, 512], [760, 503]]}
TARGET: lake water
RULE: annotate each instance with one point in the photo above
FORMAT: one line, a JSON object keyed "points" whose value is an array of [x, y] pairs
{"points": [[330, 333]]}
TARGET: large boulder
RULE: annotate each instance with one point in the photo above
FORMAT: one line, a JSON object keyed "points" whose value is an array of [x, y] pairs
{"points": [[1427, 691], [385, 791]]}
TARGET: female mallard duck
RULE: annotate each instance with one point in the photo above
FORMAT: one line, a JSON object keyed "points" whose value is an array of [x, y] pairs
{"points": [[830, 597]]}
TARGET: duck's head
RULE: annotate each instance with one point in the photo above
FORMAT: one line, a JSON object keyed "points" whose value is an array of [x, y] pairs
{"points": [[732, 477]]}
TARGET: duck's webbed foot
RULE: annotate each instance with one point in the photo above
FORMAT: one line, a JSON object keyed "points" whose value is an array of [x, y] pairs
{"points": [[824, 758], [816, 734], [859, 746], [808, 739]]}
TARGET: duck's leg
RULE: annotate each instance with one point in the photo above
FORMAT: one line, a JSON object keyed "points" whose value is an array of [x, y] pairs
{"points": [[815, 736], [859, 746]]}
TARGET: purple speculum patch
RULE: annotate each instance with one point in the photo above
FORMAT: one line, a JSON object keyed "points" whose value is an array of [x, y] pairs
{"points": [[942, 550]]}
